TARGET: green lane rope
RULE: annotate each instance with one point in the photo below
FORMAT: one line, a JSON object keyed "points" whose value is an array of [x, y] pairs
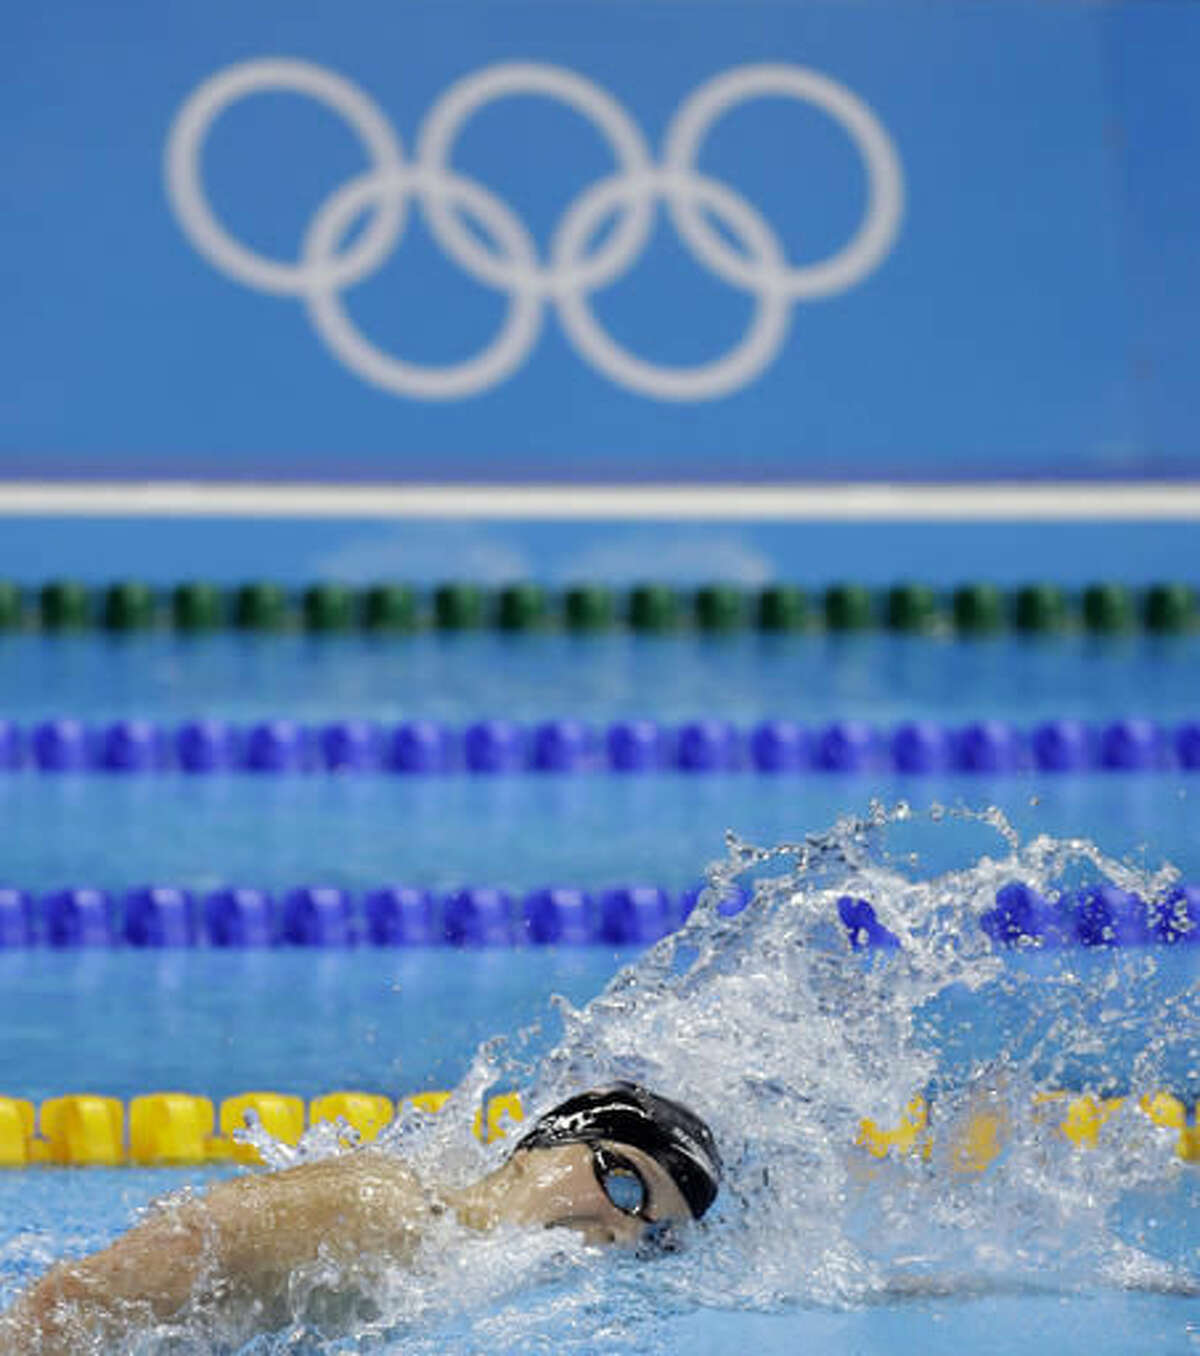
{"points": [[972, 609]]}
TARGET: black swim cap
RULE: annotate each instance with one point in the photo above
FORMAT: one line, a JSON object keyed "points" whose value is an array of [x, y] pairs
{"points": [[626, 1113]]}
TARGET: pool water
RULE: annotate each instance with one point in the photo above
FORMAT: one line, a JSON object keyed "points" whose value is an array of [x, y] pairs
{"points": [[780, 1033], [78, 1210], [464, 677]]}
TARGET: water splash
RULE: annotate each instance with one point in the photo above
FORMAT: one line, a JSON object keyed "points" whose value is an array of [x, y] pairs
{"points": [[785, 1039]]}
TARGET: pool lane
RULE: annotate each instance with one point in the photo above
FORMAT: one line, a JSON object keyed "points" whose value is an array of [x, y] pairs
{"points": [[523, 832], [463, 677]]}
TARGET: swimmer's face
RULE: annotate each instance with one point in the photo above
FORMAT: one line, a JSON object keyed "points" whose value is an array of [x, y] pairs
{"points": [[608, 1192]]}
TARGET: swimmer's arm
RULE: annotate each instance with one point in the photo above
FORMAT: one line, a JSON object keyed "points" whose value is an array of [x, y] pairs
{"points": [[148, 1273], [237, 1244]]}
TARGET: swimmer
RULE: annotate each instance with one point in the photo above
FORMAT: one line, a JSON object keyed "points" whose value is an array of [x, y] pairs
{"points": [[619, 1165]]}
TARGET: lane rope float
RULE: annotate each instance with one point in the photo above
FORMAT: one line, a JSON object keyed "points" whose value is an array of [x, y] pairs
{"points": [[390, 608], [497, 747], [331, 917], [178, 1129]]}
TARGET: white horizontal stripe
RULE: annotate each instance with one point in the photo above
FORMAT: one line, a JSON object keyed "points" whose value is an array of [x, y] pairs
{"points": [[1160, 501]]}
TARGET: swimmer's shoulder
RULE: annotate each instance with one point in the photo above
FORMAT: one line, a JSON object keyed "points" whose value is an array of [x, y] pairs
{"points": [[368, 1199], [367, 1169]]}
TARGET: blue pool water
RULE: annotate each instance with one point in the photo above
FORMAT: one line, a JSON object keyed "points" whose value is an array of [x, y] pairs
{"points": [[79, 1209], [466, 677], [127, 1022], [519, 832]]}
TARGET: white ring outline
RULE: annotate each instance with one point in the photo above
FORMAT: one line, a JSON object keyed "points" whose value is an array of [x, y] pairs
{"points": [[185, 145], [444, 124], [720, 376], [499, 359], [322, 272], [885, 193]]}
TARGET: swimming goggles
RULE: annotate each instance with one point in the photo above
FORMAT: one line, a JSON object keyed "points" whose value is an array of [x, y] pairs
{"points": [[621, 1182]]}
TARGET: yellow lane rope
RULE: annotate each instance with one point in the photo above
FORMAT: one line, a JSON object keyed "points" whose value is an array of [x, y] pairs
{"points": [[178, 1129]]}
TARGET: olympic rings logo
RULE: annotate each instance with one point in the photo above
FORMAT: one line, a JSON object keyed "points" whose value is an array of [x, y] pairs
{"points": [[511, 262]]}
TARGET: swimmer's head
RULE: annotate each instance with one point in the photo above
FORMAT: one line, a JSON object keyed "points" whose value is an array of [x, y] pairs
{"points": [[620, 1163]]}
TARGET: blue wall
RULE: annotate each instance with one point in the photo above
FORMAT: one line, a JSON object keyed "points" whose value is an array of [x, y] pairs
{"points": [[1035, 312]]}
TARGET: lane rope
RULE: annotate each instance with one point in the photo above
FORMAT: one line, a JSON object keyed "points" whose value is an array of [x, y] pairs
{"points": [[631, 747], [393, 608], [152, 917], [179, 1129]]}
